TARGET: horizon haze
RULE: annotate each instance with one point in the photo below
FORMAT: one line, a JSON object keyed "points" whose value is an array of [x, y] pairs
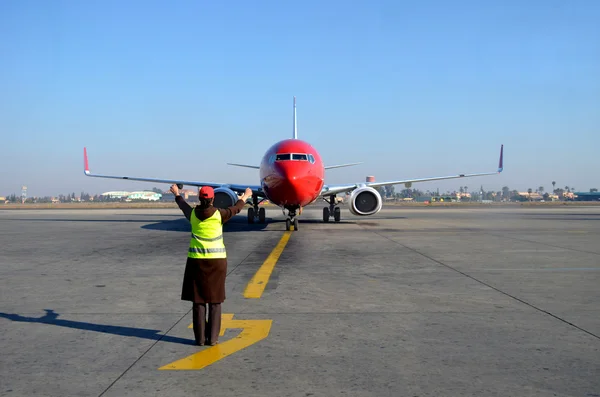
{"points": [[409, 89]]}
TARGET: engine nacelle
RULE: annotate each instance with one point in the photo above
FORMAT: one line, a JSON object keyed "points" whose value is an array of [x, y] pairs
{"points": [[365, 201], [224, 197]]}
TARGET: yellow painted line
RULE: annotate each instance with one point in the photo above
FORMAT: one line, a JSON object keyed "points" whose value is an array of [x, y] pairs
{"points": [[252, 332], [256, 286]]}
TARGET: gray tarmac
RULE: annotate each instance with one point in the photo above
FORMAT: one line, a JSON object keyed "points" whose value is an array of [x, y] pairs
{"points": [[438, 301]]}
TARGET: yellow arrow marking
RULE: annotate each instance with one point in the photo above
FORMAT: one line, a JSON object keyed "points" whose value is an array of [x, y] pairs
{"points": [[252, 332], [256, 286]]}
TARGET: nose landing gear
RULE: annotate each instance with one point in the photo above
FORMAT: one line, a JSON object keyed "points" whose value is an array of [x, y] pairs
{"points": [[291, 220]]}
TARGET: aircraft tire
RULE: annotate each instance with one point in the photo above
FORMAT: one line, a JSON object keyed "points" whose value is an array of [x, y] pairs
{"points": [[288, 224], [295, 224], [250, 215], [262, 215], [337, 214], [325, 214]]}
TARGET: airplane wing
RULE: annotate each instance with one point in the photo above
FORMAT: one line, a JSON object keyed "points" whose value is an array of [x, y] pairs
{"points": [[236, 188], [256, 167], [329, 167], [336, 189]]}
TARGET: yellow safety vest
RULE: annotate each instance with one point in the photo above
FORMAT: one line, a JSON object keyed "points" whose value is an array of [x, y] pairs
{"points": [[207, 237]]}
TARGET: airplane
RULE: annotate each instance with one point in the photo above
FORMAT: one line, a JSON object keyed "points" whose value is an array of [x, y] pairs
{"points": [[292, 176]]}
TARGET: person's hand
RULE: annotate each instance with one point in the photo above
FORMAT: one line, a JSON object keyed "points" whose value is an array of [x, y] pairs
{"points": [[175, 190], [246, 195]]}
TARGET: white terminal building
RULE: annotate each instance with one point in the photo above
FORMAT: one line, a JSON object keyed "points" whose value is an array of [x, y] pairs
{"points": [[143, 195]]}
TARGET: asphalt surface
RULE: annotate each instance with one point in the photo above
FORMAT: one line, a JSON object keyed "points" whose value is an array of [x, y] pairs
{"points": [[408, 302]]}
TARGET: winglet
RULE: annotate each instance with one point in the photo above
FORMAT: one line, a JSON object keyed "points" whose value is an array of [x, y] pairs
{"points": [[501, 163], [295, 125], [86, 166]]}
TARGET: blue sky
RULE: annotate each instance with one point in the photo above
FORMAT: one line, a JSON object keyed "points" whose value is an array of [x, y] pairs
{"points": [[412, 89]]}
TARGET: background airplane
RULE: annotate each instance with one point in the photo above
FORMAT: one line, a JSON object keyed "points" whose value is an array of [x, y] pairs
{"points": [[292, 176]]}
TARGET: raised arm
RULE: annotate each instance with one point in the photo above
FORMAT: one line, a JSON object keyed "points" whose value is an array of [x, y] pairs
{"points": [[228, 213], [183, 206]]}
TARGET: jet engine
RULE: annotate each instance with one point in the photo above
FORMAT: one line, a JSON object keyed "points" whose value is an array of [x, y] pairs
{"points": [[365, 201], [224, 197]]}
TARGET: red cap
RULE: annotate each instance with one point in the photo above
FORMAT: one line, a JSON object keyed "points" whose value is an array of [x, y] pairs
{"points": [[206, 192]]}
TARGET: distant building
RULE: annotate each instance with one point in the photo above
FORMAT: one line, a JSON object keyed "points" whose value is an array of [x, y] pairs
{"points": [[568, 195], [116, 194], [423, 199], [186, 193], [141, 195], [587, 196], [144, 195], [533, 196], [463, 196], [447, 199]]}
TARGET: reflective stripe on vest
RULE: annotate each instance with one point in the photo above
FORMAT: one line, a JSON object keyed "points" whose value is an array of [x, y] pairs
{"points": [[220, 236], [206, 250], [207, 237]]}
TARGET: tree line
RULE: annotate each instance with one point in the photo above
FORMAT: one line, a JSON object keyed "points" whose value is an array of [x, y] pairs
{"points": [[389, 192], [61, 198], [506, 194]]}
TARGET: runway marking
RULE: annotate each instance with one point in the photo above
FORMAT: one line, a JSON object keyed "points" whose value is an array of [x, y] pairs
{"points": [[252, 332], [256, 286]]}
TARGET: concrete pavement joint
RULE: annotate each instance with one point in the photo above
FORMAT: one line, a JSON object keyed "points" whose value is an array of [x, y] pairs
{"points": [[95, 251], [162, 336], [483, 232], [488, 285], [538, 242], [504, 310], [545, 269], [238, 265], [143, 354], [370, 307]]}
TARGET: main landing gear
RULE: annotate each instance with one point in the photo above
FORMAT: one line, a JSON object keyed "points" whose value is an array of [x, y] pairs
{"points": [[291, 220], [255, 212], [332, 210]]}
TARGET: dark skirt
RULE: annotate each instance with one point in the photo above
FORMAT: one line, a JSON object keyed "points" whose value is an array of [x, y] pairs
{"points": [[204, 280]]}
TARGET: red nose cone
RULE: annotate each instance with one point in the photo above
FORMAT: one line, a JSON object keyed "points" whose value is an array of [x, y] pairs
{"points": [[295, 186]]}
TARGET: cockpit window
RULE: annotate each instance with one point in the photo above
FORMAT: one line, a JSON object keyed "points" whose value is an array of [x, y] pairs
{"points": [[295, 157]]}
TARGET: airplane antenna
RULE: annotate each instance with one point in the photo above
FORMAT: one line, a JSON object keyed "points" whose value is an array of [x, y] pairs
{"points": [[295, 126]]}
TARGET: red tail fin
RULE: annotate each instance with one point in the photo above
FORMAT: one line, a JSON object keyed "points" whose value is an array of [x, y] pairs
{"points": [[86, 166]]}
